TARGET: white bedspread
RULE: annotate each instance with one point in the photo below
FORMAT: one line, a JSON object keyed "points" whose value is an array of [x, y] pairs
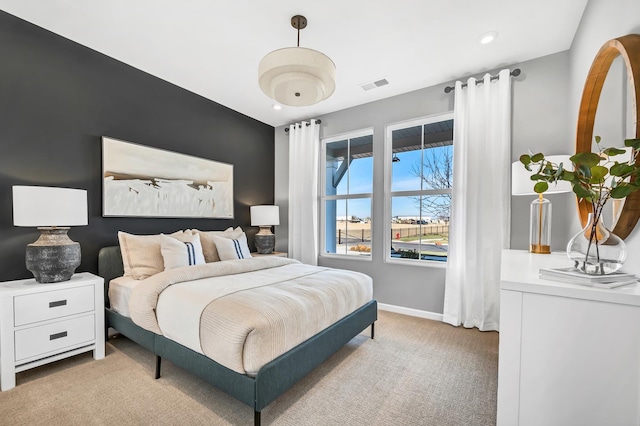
{"points": [[180, 306], [245, 313], [120, 292]]}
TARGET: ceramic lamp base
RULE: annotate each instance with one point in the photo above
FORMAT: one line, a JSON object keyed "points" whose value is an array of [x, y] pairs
{"points": [[265, 243], [54, 257]]}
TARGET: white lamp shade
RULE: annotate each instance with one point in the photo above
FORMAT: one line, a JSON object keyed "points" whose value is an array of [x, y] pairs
{"points": [[297, 76], [48, 206], [265, 215], [521, 183]]}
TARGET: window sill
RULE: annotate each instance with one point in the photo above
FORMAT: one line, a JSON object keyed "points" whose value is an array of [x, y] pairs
{"points": [[415, 262], [357, 258]]}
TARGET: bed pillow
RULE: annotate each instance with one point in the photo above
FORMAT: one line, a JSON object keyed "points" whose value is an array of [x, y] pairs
{"points": [[209, 247], [183, 250], [141, 255], [232, 248]]}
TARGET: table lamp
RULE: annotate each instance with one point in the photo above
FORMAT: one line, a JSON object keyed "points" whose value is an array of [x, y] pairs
{"points": [[54, 256], [540, 213], [265, 217]]}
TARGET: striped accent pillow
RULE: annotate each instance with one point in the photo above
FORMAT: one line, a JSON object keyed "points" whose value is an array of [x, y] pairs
{"points": [[232, 248], [185, 251], [209, 246]]}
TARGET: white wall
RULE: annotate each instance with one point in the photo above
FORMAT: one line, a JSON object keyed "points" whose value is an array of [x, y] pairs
{"points": [[539, 123], [602, 21]]}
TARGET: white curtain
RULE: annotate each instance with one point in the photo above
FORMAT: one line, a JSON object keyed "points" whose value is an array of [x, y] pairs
{"points": [[304, 148], [481, 202]]}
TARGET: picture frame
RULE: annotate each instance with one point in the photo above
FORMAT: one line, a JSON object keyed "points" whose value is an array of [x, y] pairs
{"points": [[141, 181]]}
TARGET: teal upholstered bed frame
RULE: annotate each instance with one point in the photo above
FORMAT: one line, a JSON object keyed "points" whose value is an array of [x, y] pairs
{"points": [[271, 381]]}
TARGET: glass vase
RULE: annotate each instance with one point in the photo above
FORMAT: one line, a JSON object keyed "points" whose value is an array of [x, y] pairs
{"points": [[596, 250]]}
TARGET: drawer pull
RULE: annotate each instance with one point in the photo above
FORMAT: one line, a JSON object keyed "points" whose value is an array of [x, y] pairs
{"points": [[58, 335], [57, 303]]}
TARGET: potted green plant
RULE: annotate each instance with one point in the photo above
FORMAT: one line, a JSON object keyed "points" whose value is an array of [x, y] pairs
{"points": [[596, 177]]}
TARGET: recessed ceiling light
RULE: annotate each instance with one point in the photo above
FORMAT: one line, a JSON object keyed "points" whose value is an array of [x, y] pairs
{"points": [[487, 38], [276, 107]]}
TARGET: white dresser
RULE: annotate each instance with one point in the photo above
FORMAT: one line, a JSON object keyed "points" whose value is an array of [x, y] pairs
{"points": [[42, 323], [569, 354]]}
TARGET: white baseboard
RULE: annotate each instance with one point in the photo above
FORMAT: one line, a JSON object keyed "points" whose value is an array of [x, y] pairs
{"points": [[410, 311]]}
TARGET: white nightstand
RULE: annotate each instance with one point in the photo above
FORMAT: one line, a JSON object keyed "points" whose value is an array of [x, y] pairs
{"points": [[275, 253], [42, 323]]}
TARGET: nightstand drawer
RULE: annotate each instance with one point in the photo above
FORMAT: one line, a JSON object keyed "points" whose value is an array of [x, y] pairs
{"points": [[52, 337], [47, 305]]}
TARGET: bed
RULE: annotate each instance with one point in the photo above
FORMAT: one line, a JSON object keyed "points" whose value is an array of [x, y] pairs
{"points": [[257, 386]]}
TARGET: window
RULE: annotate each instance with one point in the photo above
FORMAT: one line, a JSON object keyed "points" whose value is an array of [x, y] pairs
{"points": [[347, 194], [419, 178]]}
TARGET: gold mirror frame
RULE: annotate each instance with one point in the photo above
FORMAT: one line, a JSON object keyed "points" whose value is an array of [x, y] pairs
{"points": [[629, 48]]}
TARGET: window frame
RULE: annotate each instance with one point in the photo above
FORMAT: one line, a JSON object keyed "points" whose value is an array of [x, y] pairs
{"points": [[389, 194], [324, 197]]}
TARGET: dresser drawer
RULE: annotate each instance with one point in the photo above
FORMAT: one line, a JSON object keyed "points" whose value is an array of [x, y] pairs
{"points": [[47, 305], [40, 340]]}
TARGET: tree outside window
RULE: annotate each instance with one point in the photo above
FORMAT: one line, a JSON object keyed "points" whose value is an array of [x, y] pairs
{"points": [[421, 180]]}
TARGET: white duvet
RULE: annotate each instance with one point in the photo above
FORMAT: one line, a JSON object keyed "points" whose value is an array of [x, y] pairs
{"points": [[245, 313]]}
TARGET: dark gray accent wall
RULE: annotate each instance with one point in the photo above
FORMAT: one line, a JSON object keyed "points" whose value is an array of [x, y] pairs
{"points": [[58, 98]]}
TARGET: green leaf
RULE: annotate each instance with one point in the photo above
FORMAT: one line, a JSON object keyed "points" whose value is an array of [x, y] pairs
{"points": [[622, 191], [585, 171], [613, 151], [598, 172], [621, 169], [588, 159], [540, 187], [581, 192], [568, 176], [537, 176], [537, 157], [525, 159], [635, 143], [557, 174], [598, 139]]}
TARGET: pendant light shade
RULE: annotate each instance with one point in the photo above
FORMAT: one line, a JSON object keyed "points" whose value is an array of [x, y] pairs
{"points": [[296, 76]]}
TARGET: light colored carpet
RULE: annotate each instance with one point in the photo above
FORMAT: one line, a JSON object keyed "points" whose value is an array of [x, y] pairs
{"points": [[415, 372]]}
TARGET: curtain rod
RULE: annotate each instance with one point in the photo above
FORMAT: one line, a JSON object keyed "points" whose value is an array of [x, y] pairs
{"points": [[516, 72], [286, 129]]}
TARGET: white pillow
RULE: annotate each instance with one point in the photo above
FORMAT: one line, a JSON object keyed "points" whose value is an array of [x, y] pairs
{"points": [[183, 250], [232, 248], [141, 256], [208, 244]]}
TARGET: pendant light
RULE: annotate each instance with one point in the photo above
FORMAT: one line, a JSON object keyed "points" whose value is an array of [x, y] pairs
{"points": [[297, 76]]}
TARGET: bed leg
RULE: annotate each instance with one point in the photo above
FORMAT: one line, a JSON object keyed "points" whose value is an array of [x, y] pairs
{"points": [[373, 329], [256, 418], [158, 362]]}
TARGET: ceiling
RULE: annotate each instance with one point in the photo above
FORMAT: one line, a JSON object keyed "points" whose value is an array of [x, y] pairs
{"points": [[213, 47]]}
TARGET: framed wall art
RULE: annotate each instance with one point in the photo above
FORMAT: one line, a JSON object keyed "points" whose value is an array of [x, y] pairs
{"points": [[149, 182]]}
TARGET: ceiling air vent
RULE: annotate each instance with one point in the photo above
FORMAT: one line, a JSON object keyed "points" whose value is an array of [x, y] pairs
{"points": [[374, 84]]}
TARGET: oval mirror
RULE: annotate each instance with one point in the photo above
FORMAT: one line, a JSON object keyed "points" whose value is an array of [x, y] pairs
{"points": [[614, 122], [613, 125]]}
